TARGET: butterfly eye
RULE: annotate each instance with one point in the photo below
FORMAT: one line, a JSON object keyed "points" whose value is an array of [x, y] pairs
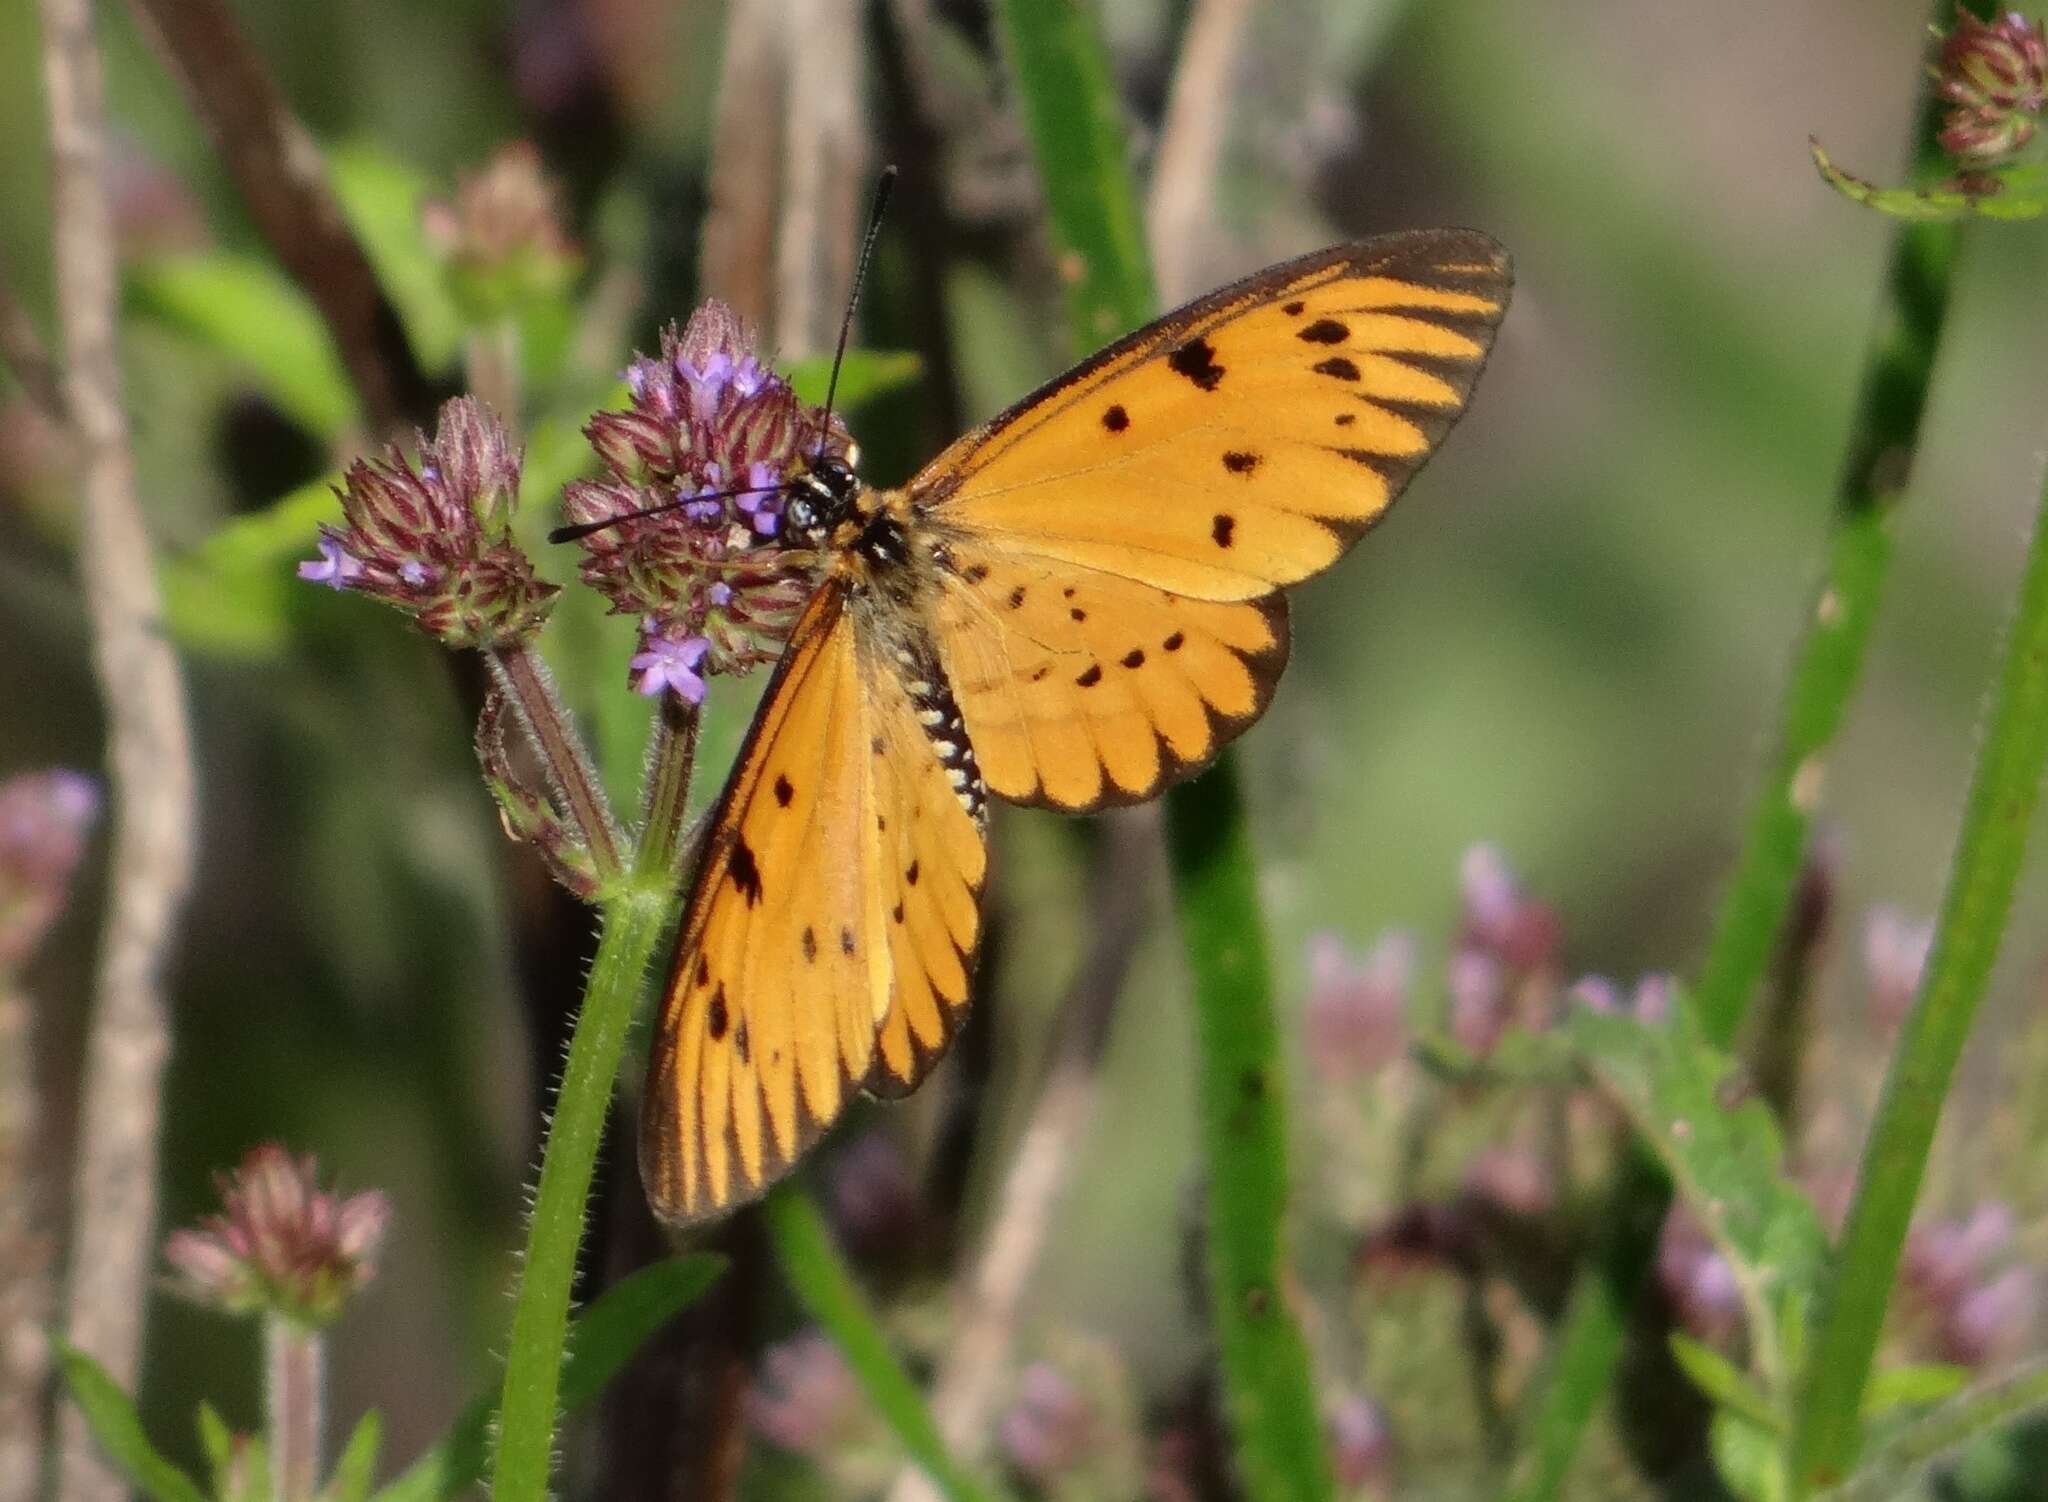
{"points": [[802, 514]]}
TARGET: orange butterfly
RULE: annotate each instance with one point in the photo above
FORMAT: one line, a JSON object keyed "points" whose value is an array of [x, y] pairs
{"points": [[1072, 606]]}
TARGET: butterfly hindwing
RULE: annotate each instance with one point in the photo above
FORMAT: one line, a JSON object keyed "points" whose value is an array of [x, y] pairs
{"points": [[769, 1017], [1084, 688], [1245, 441], [930, 830], [1114, 545]]}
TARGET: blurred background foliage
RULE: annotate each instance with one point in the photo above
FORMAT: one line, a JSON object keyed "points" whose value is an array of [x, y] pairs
{"points": [[1567, 642]]}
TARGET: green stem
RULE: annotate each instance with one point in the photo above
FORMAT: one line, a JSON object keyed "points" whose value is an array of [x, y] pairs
{"points": [[826, 1288], [294, 1407], [1074, 118], [2003, 790], [633, 922], [1898, 370]]}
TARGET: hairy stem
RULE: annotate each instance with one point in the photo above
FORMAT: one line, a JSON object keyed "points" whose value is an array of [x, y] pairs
{"points": [[634, 919], [525, 681], [666, 797]]}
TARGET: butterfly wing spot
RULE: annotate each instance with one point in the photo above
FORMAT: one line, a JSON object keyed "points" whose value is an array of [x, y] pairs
{"points": [[1294, 309], [784, 790], [1196, 360], [1115, 418], [911, 872], [1173, 643], [1076, 613], [1016, 600], [719, 1016], [1240, 461], [977, 573], [1091, 677], [1346, 419], [1135, 658], [846, 941], [1222, 528], [1338, 367], [1324, 331], [810, 945], [745, 871], [743, 1044]]}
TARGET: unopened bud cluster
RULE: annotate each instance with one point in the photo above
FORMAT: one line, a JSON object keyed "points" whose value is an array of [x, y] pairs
{"points": [[1995, 74], [435, 539]]}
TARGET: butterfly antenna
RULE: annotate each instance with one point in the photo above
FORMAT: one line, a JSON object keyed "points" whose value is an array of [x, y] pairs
{"points": [[578, 530], [884, 185]]}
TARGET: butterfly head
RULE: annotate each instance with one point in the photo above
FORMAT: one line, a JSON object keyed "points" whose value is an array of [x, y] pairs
{"points": [[820, 499]]}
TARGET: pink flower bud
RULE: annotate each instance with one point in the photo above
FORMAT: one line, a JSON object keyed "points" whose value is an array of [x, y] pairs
{"points": [[44, 819]]}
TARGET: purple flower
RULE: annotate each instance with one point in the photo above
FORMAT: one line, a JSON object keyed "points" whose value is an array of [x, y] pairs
{"points": [[804, 1399], [1479, 1001], [1361, 1447], [336, 567], [283, 1245], [44, 819], [1698, 1279], [502, 239], [665, 664], [1050, 1427], [1357, 1010]]}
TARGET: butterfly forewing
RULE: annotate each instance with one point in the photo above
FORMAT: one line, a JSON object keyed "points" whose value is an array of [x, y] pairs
{"points": [[1243, 442], [779, 983]]}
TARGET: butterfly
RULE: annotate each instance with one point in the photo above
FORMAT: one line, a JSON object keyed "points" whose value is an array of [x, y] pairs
{"points": [[1073, 606]]}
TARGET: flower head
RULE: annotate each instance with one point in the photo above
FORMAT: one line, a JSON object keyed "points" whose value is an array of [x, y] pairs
{"points": [[710, 438], [436, 540], [502, 238], [1050, 1427], [44, 819], [282, 1244], [1996, 74], [1358, 1007], [1361, 1445]]}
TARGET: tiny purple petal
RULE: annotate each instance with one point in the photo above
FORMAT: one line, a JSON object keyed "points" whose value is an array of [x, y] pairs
{"points": [[336, 567], [747, 376], [668, 664], [720, 594], [767, 523], [413, 572]]}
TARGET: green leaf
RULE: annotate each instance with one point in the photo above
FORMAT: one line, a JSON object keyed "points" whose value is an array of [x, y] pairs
{"points": [[217, 1440], [1725, 1162], [826, 1288], [865, 375], [252, 312], [601, 1341], [1725, 1385], [1969, 1416], [357, 1467], [111, 1415], [1521, 1056], [380, 197], [1912, 1386], [2009, 193], [1751, 1459], [232, 594]]}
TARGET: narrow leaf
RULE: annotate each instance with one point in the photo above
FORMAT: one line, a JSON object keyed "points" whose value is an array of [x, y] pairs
{"points": [[602, 1340], [357, 1466], [1722, 1382], [1967, 1417], [381, 196], [825, 1287], [2009, 193], [111, 1415]]}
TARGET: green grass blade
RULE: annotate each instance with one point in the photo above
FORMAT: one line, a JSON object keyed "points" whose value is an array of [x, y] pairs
{"points": [[825, 1286], [2003, 791], [1074, 116]]}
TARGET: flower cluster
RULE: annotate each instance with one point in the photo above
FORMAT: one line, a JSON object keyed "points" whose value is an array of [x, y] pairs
{"points": [[282, 1245], [1504, 967], [44, 819], [436, 541], [710, 436], [1995, 74], [1965, 1289], [502, 238]]}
